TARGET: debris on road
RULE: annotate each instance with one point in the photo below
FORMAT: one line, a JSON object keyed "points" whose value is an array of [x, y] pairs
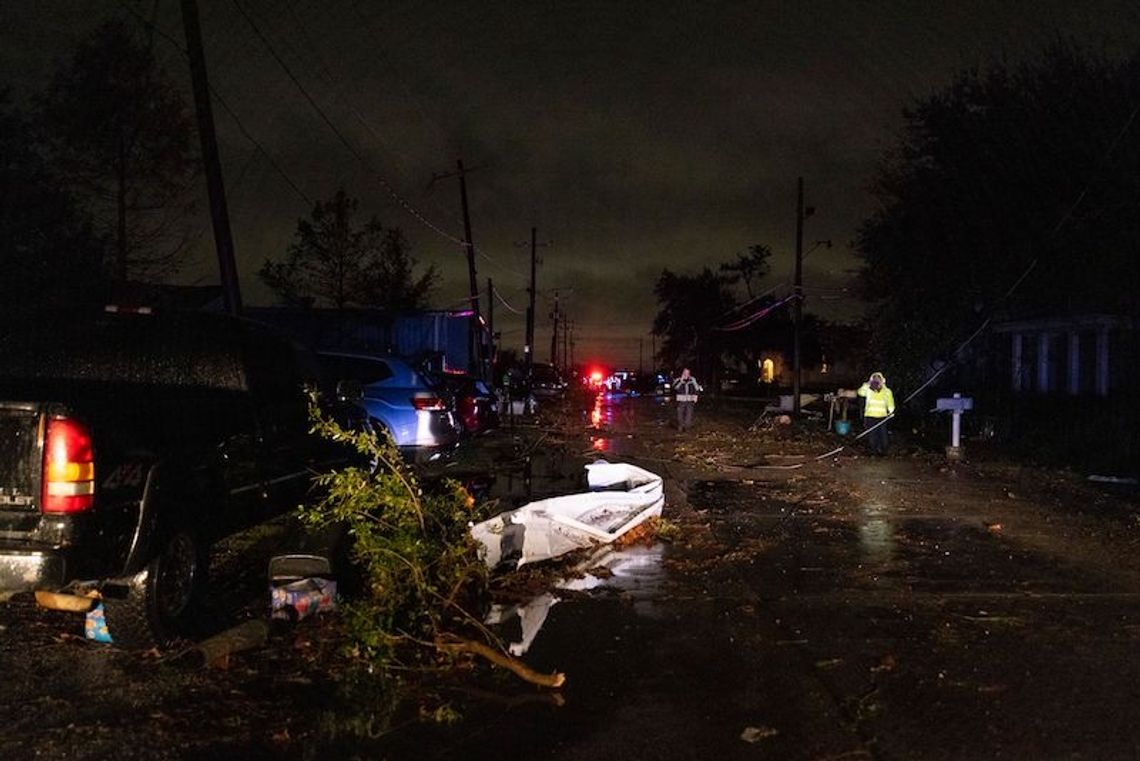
{"points": [[621, 497], [215, 652], [300, 586], [755, 734]]}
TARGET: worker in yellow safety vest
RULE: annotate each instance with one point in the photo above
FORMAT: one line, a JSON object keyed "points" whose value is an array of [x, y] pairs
{"points": [[878, 405], [685, 391]]}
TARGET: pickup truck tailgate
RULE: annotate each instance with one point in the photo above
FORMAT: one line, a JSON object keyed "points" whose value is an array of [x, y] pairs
{"points": [[20, 458]]}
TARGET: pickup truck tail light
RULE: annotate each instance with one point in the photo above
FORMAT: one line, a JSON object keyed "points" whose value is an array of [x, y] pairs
{"points": [[428, 402], [69, 468]]}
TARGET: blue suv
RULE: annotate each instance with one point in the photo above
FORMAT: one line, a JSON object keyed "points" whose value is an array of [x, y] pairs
{"points": [[397, 399]]}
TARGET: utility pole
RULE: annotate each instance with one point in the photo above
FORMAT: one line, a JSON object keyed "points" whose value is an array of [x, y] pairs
{"points": [[468, 244], [640, 355], [798, 291], [554, 333], [491, 320], [473, 343], [566, 344], [528, 345], [528, 350], [219, 211]]}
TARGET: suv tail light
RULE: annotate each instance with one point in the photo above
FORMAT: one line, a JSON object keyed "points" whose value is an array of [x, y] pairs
{"points": [[69, 468], [428, 402]]}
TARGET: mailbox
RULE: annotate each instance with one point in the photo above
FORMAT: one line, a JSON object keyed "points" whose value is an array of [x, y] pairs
{"points": [[955, 405]]}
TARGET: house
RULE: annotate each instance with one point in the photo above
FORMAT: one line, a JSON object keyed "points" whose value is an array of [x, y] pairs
{"points": [[1083, 355]]}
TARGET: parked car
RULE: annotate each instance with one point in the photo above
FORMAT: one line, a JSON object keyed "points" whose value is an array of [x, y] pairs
{"points": [[546, 382], [476, 406], [401, 401], [131, 442]]}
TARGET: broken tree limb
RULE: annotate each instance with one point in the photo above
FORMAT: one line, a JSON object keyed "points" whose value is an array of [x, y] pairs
{"points": [[520, 669], [215, 651]]}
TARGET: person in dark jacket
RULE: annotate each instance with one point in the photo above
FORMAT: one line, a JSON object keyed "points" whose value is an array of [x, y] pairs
{"points": [[686, 389]]}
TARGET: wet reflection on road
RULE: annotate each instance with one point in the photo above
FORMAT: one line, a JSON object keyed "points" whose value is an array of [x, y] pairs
{"points": [[876, 537], [635, 572]]}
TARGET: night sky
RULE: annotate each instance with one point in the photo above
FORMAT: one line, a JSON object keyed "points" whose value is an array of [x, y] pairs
{"points": [[634, 136]]}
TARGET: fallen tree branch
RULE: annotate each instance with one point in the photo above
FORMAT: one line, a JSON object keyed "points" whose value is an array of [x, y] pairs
{"points": [[215, 652], [520, 669]]}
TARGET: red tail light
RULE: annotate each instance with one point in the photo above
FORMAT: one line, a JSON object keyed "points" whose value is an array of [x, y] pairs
{"points": [[428, 402], [69, 468]]}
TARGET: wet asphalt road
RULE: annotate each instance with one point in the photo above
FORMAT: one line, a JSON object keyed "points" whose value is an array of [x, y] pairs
{"points": [[862, 608], [858, 608]]}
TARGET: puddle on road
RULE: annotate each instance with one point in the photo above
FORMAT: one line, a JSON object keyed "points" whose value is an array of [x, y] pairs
{"points": [[635, 573]]}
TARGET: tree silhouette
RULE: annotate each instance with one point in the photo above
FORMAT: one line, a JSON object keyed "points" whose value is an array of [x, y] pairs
{"points": [[692, 307], [49, 252], [120, 135], [334, 262], [749, 267], [1009, 170]]}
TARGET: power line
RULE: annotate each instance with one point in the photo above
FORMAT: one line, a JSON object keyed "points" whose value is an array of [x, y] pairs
{"points": [[403, 203], [221, 101]]}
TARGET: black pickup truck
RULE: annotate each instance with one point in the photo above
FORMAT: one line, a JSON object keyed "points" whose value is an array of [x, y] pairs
{"points": [[130, 442]]}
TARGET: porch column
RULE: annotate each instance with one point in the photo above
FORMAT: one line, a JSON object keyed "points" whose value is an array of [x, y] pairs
{"points": [[1043, 362], [1102, 362], [1015, 362], [1074, 363]]}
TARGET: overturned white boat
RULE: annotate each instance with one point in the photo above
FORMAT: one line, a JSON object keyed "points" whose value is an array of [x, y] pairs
{"points": [[621, 497]]}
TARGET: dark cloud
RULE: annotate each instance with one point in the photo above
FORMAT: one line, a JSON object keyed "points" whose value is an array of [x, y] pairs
{"points": [[634, 135]]}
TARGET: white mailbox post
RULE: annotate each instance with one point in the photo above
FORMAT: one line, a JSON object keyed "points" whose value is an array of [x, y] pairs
{"points": [[955, 405]]}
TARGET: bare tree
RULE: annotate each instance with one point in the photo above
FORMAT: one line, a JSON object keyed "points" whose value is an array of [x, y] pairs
{"points": [[119, 133]]}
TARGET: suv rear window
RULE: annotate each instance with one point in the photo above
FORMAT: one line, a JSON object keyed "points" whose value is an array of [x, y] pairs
{"points": [[366, 371]]}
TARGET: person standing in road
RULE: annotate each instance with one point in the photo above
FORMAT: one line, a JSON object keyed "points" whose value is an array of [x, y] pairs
{"points": [[686, 390], [878, 406]]}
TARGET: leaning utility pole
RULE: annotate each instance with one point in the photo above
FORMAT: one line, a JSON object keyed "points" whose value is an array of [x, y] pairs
{"points": [[468, 245], [798, 293], [219, 212]]}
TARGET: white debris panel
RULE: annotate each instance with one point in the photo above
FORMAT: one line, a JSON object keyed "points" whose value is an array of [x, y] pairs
{"points": [[621, 497]]}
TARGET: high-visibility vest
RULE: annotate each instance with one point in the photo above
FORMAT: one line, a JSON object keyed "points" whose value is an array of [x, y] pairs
{"points": [[879, 403], [686, 390]]}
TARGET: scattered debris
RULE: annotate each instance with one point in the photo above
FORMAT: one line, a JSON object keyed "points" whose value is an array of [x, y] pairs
{"points": [[300, 586], [622, 497], [95, 627], [755, 734], [215, 652], [457, 645], [1114, 480]]}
